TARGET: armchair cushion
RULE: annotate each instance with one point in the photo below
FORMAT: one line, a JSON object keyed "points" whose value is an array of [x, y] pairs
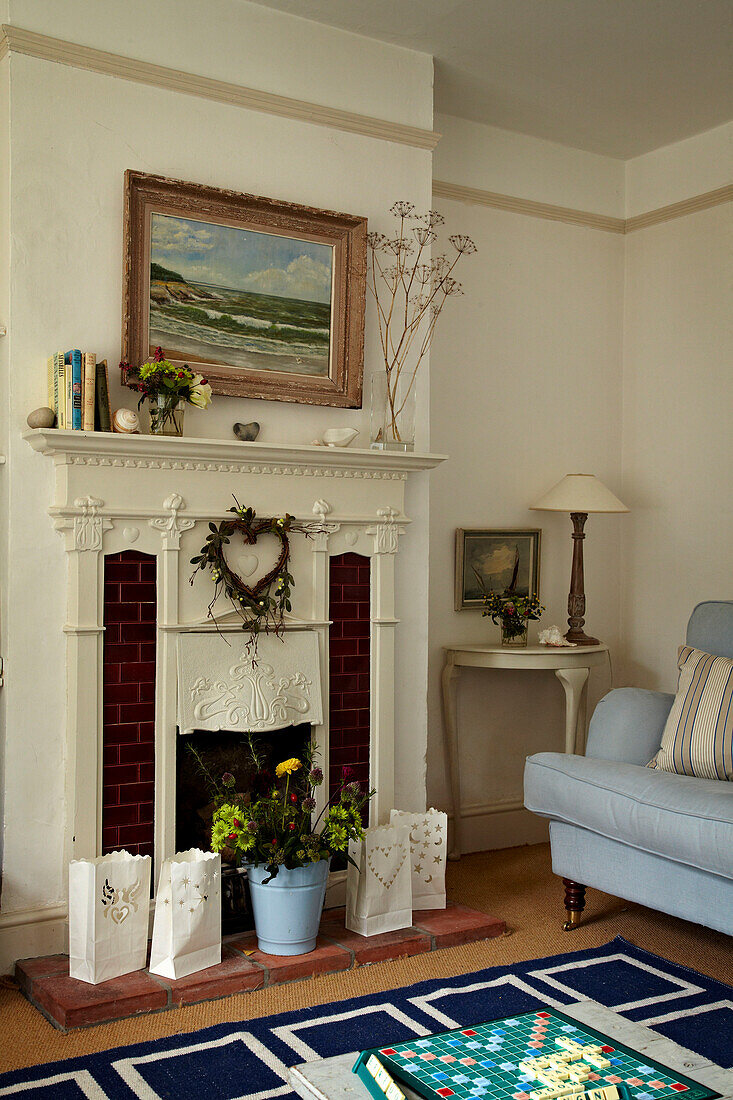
{"points": [[683, 819], [698, 736], [627, 725]]}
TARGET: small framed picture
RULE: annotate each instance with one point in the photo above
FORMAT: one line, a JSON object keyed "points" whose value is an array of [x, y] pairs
{"points": [[502, 561]]}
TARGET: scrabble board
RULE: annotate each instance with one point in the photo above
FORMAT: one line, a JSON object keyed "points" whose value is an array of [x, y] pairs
{"points": [[541, 1055]]}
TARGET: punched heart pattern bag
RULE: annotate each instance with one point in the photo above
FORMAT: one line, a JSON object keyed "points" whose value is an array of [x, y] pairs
{"points": [[109, 900], [378, 890]]}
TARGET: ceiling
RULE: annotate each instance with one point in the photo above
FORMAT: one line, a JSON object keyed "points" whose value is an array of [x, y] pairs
{"points": [[618, 77]]}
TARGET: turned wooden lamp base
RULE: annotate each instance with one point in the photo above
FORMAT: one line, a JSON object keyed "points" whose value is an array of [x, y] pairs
{"points": [[576, 599]]}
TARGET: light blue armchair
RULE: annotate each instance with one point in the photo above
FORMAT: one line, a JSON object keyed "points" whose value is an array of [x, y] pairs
{"points": [[663, 840]]}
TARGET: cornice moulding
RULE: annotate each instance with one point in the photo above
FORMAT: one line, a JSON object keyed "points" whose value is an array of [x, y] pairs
{"points": [[17, 40], [126, 451], [603, 222]]}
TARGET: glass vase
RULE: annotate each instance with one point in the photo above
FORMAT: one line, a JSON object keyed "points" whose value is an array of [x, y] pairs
{"points": [[166, 415], [393, 406], [511, 639]]}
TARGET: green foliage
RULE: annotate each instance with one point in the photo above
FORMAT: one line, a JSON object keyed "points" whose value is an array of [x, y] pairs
{"points": [[277, 830], [513, 612]]}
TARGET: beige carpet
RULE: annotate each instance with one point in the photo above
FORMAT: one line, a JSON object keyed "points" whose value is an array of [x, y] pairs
{"points": [[516, 884]]}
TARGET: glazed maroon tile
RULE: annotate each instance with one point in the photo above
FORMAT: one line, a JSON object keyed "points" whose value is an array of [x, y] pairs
{"points": [[134, 793], [116, 573], [325, 959], [110, 839], [139, 752], [147, 773], [120, 773], [234, 974], [457, 924], [72, 1003], [355, 700], [137, 672], [134, 712], [120, 815], [146, 810], [121, 693], [124, 734], [111, 673], [138, 632], [134, 834]]}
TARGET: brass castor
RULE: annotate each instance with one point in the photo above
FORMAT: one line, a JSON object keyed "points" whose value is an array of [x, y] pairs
{"points": [[574, 904]]}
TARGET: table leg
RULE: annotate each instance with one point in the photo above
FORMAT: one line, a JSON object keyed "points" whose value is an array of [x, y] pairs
{"points": [[582, 721], [573, 681], [448, 681]]}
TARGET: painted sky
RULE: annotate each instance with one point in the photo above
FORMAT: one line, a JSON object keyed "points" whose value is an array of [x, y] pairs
{"points": [[242, 259]]}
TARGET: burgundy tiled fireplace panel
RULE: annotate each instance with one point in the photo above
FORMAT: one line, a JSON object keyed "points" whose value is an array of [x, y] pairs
{"points": [[128, 725], [349, 611]]}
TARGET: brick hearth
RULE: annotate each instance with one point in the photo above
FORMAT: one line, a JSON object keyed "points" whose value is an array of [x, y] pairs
{"points": [[69, 1003]]}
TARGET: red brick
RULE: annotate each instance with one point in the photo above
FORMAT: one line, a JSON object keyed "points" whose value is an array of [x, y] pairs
{"points": [[147, 692], [146, 810], [355, 700], [118, 654], [457, 924], [371, 949], [147, 612], [111, 633], [139, 593], [345, 683], [110, 839], [72, 1003], [147, 773], [234, 974], [137, 672], [111, 673], [27, 971], [326, 959]]}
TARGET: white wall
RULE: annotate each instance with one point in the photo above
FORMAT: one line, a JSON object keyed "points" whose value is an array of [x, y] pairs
{"points": [[525, 387], [73, 134], [677, 403]]}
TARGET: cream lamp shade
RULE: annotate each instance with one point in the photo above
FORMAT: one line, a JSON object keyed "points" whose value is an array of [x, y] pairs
{"points": [[579, 493]]}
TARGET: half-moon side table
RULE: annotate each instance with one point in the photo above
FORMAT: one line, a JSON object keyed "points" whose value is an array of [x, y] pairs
{"points": [[572, 668]]}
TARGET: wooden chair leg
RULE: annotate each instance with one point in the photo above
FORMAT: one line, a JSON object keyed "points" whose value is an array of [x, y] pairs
{"points": [[574, 904]]}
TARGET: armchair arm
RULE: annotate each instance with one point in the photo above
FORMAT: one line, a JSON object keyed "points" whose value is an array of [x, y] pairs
{"points": [[627, 725]]}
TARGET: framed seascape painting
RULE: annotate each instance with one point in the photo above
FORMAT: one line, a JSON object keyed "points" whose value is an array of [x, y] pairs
{"points": [[502, 561], [265, 298]]}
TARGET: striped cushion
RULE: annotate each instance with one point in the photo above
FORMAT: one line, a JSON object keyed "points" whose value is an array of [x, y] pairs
{"points": [[698, 736]]}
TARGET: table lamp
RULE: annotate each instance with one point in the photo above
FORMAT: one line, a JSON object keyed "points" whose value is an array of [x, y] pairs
{"points": [[579, 494]]}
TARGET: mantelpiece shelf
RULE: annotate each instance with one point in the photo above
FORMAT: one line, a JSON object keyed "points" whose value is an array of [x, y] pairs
{"points": [[62, 445]]}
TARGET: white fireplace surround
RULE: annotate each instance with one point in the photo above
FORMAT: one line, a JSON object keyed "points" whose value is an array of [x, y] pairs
{"points": [[156, 495]]}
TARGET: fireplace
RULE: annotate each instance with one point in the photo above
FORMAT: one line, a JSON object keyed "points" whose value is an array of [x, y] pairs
{"points": [[133, 511]]}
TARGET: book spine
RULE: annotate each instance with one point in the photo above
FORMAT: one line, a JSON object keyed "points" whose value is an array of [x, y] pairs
{"points": [[61, 385], [73, 359], [104, 416], [90, 380], [50, 383]]}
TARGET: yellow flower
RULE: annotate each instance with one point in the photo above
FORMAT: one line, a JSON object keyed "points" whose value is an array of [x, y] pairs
{"points": [[288, 767]]}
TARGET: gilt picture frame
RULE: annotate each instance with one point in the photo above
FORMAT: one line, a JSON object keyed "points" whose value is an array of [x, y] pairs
{"points": [[265, 298], [503, 560]]}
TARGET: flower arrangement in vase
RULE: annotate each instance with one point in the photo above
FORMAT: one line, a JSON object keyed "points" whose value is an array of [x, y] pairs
{"points": [[410, 288], [512, 614], [287, 854], [168, 388]]}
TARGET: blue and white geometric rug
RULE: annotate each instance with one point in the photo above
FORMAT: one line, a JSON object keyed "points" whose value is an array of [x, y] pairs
{"points": [[248, 1060]]}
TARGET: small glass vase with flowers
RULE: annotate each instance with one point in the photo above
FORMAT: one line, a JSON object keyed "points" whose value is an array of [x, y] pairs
{"points": [[168, 388], [512, 614]]}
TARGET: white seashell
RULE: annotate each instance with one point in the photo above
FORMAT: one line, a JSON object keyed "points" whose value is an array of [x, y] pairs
{"points": [[41, 418], [126, 422], [339, 437], [553, 637]]}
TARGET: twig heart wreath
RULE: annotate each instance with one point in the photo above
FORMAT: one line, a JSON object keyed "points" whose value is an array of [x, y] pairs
{"points": [[262, 610]]}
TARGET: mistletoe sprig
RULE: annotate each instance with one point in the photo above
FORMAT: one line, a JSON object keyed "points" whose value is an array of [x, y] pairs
{"points": [[263, 604]]}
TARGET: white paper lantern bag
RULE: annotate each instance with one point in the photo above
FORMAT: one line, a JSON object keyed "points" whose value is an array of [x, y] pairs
{"points": [[109, 903], [379, 893], [187, 923], [428, 851]]}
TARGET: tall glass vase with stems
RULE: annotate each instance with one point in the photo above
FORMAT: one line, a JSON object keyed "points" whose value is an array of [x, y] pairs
{"points": [[392, 424], [410, 286], [166, 414]]}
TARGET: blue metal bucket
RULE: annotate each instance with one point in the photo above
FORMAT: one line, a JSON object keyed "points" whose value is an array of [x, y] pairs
{"points": [[288, 909]]}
